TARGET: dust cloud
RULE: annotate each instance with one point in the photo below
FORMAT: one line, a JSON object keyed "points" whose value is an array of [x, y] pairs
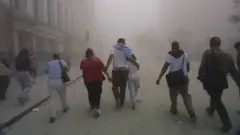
{"points": [[150, 26]]}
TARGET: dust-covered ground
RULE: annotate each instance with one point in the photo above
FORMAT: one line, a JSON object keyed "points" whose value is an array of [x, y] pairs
{"points": [[150, 118], [149, 27]]}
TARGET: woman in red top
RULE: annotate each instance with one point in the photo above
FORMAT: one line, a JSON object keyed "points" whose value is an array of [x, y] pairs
{"points": [[92, 68]]}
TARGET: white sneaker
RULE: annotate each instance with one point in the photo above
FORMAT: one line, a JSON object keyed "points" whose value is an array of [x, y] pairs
{"points": [[97, 113]]}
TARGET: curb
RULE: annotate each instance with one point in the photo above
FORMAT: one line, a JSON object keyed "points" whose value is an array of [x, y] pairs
{"points": [[20, 116]]}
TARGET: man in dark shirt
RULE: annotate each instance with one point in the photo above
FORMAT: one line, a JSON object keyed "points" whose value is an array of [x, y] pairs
{"points": [[24, 69], [215, 66]]}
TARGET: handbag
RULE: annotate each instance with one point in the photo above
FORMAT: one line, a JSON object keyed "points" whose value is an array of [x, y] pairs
{"points": [[177, 78], [65, 76]]}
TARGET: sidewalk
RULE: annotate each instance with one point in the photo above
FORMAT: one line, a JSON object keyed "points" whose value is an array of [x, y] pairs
{"points": [[11, 107]]}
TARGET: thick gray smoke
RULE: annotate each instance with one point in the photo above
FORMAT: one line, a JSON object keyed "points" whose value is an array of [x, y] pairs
{"points": [[151, 25]]}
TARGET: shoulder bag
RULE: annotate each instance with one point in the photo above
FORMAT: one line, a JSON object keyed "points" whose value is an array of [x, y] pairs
{"points": [[177, 78], [65, 76]]}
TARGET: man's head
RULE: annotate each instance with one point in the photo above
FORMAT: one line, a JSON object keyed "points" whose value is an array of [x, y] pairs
{"points": [[121, 41], [56, 56], [237, 46], [175, 46], [215, 42], [89, 53]]}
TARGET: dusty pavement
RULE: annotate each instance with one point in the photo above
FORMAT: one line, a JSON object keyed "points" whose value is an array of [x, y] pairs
{"points": [[150, 118]]}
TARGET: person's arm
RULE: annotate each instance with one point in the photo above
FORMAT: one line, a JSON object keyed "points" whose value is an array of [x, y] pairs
{"points": [[238, 62], [163, 71], [104, 71], [233, 71], [108, 76], [81, 65], [110, 59], [202, 68], [134, 62], [188, 67]]}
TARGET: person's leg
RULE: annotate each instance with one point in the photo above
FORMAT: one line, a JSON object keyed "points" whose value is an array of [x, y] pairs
{"points": [[63, 96], [123, 85], [131, 87], [89, 89], [115, 83], [187, 100], [173, 92], [53, 100], [218, 104], [23, 83], [27, 84], [210, 110], [4, 83], [94, 95], [98, 94]]}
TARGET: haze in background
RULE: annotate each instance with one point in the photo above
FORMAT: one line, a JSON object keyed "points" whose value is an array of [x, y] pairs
{"points": [[151, 25]]}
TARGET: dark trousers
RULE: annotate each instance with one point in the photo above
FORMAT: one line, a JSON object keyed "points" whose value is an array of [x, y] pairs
{"points": [[4, 83], [183, 91], [217, 104], [119, 81], [94, 94]]}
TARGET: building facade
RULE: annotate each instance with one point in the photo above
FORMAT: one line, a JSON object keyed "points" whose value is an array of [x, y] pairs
{"points": [[42, 26]]}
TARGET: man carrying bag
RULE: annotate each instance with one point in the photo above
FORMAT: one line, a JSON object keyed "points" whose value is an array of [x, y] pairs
{"points": [[57, 79], [177, 79]]}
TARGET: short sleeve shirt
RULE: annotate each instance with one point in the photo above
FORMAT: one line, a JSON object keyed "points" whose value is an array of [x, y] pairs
{"points": [[54, 69], [92, 69], [120, 55], [178, 63]]}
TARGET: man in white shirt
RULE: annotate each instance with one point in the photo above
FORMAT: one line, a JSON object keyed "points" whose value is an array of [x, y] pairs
{"points": [[57, 89], [178, 60], [120, 55]]}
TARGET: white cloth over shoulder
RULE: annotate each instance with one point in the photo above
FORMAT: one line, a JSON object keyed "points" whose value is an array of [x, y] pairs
{"points": [[177, 63], [120, 54]]}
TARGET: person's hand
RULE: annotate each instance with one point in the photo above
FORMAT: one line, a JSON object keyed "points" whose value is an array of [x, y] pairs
{"points": [[105, 69], [158, 82], [110, 79]]}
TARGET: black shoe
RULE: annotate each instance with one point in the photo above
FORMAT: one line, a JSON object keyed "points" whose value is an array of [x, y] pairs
{"points": [[52, 120], [173, 112], [193, 119], [134, 107], [226, 129], [96, 113], [210, 112], [65, 110]]}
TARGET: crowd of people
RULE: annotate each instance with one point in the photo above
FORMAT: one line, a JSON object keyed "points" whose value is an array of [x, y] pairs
{"points": [[214, 68]]}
